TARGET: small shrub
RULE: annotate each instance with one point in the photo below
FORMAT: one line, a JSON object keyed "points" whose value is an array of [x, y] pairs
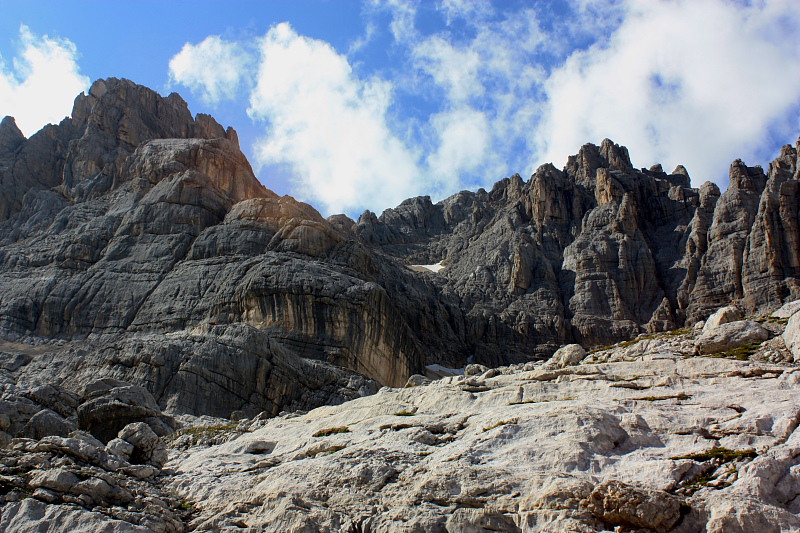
{"points": [[186, 505], [331, 431], [405, 413], [724, 454]]}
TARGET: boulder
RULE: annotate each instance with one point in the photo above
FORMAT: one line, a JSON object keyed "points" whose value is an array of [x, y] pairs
{"points": [[724, 315], [730, 335], [787, 310], [474, 370], [568, 355], [57, 479], [148, 448], [629, 506], [120, 448], [110, 405], [791, 336], [47, 422]]}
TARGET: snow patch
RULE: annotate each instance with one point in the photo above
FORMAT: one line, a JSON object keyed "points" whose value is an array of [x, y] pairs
{"points": [[427, 268]]}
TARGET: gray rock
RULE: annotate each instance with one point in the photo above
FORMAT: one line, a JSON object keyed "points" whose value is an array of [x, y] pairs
{"points": [[731, 335], [787, 310], [417, 380], [47, 422], [474, 370], [110, 405], [791, 336], [32, 515], [723, 315], [148, 448], [625, 505], [58, 479], [120, 447], [568, 355]]}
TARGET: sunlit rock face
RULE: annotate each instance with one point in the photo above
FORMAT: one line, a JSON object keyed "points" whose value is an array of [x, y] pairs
{"points": [[133, 233]]}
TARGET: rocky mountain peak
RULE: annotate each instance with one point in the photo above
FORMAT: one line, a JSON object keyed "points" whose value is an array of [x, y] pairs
{"points": [[151, 226], [10, 135]]}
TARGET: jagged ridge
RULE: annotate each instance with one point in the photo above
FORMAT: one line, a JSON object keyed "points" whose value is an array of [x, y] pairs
{"points": [[132, 224]]}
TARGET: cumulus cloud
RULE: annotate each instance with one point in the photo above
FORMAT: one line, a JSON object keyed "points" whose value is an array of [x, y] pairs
{"points": [[463, 139], [695, 82], [328, 125], [40, 85], [491, 90], [213, 69]]}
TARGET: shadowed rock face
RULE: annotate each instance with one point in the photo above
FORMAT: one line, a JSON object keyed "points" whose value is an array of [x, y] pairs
{"points": [[140, 235], [601, 251], [142, 222]]}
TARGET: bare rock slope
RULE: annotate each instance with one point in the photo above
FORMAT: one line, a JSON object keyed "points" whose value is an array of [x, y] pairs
{"points": [[638, 437]]}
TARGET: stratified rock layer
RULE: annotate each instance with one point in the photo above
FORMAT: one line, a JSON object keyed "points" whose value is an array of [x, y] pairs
{"points": [[600, 251], [137, 244]]}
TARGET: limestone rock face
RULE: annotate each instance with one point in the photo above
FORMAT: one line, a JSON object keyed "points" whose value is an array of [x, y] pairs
{"points": [[656, 441], [136, 244], [731, 335], [139, 222], [600, 251]]}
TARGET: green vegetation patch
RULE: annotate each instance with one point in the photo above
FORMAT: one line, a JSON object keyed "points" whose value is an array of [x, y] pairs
{"points": [[500, 423], [725, 454], [405, 413], [740, 353], [679, 331], [209, 431], [331, 431], [213, 434], [772, 320]]}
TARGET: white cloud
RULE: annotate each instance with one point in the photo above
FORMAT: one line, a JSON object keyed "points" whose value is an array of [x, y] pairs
{"points": [[42, 83], [697, 82], [452, 68], [494, 91], [213, 69], [329, 126], [463, 143]]}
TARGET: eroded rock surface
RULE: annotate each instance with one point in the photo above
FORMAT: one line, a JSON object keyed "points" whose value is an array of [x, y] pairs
{"points": [[642, 436], [134, 222]]}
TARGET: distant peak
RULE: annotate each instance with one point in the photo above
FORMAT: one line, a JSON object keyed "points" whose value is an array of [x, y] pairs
{"points": [[10, 134]]}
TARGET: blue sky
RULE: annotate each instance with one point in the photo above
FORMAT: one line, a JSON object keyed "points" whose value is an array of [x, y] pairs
{"points": [[358, 105]]}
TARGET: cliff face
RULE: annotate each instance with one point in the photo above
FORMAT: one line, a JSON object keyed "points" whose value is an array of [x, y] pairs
{"points": [[136, 243], [600, 251], [132, 224]]}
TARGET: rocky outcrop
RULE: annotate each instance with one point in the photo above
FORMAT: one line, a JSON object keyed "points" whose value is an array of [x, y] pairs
{"points": [[137, 244], [152, 223], [657, 441], [600, 251]]}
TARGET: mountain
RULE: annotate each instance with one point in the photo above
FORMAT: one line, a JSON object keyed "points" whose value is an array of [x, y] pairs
{"points": [[136, 243], [181, 349]]}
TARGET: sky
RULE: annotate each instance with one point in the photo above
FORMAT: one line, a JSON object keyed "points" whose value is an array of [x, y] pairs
{"points": [[354, 105]]}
